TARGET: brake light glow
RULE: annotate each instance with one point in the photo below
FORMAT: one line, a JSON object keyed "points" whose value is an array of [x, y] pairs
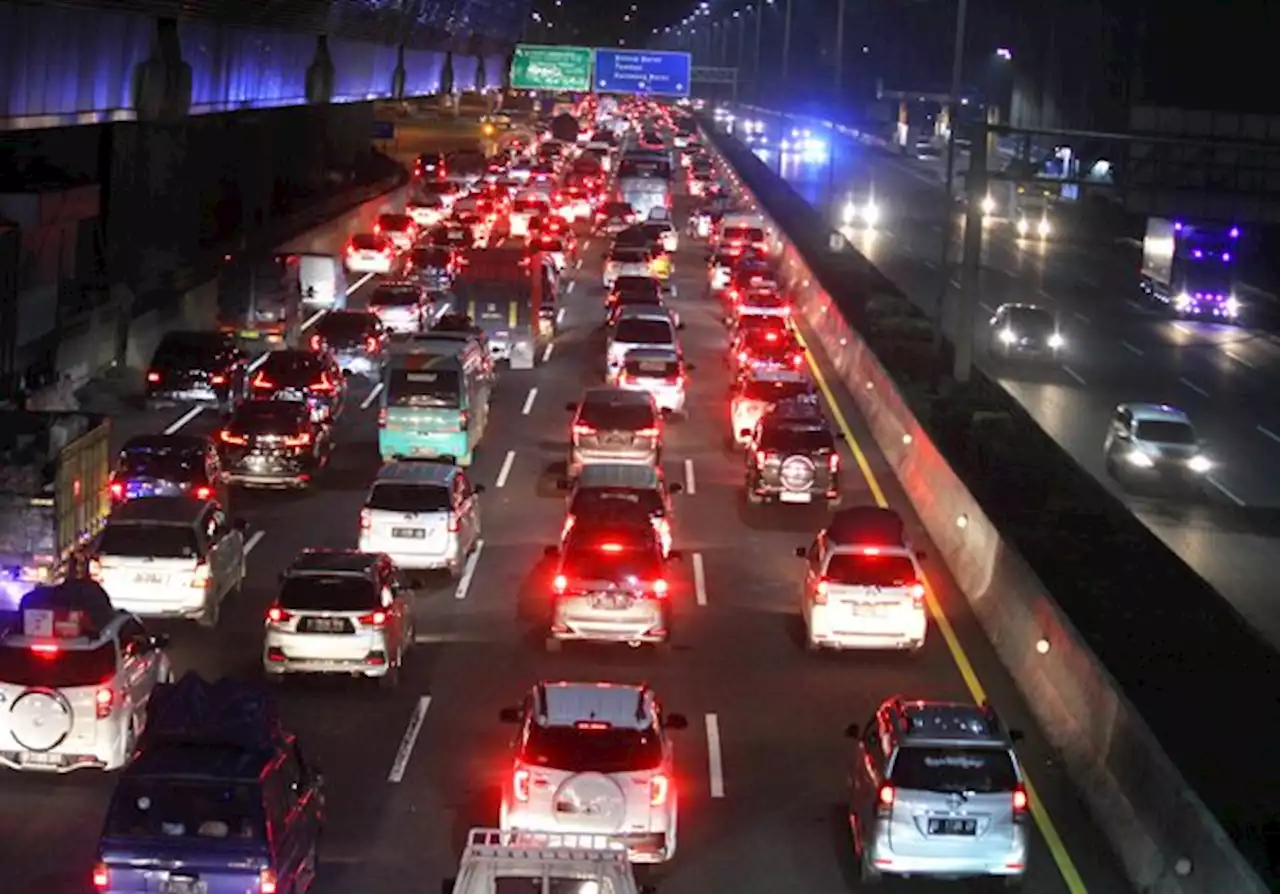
{"points": [[262, 382], [798, 360], [153, 377], [833, 463], [104, 699], [374, 619], [580, 429], [659, 788], [277, 615], [660, 588], [520, 784], [593, 725], [611, 547], [101, 877], [765, 456], [647, 432], [117, 490], [871, 550], [771, 336], [1020, 802], [455, 524], [45, 650], [560, 584], [267, 883], [218, 379], [226, 437], [884, 799], [203, 492], [200, 577], [820, 592]]}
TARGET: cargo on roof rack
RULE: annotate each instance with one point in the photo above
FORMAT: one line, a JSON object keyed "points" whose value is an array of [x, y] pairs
{"points": [[225, 712], [867, 526], [70, 610]]}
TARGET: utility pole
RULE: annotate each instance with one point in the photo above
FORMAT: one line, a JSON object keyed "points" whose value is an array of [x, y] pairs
{"points": [[742, 41], [786, 45], [840, 48], [948, 200], [962, 340], [757, 81]]}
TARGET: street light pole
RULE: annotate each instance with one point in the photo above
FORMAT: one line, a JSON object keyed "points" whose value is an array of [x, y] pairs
{"points": [[786, 45], [839, 48], [957, 69], [757, 82], [742, 40]]}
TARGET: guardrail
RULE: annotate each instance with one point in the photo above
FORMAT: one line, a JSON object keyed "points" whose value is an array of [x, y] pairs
{"points": [[1165, 836]]}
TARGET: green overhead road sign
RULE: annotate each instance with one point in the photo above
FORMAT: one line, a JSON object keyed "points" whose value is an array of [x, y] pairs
{"points": [[538, 67]]}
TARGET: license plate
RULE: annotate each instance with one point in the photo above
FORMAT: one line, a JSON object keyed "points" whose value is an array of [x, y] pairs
{"points": [[409, 533], [327, 625], [148, 577], [869, 611], [610, 600], [183, 886], [790, 497], [953, 826], [257, 462], [40, 759]]}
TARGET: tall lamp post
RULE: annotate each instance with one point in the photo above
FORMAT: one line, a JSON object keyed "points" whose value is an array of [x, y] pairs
{"points": [[957, 69], [786, 45]]}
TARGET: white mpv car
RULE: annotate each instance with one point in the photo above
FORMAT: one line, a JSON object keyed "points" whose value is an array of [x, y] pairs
{"points": [[424, 515], [595, 758]]}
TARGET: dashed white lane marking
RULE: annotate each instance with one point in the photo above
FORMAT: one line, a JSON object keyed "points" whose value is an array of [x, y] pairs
{"points": [[569, 288], [690, 480], [373, 395], [1075, 375], [253, 541], [560, 317], [1132, 349], [1082, 318], [586, 243], [410, 738], [955, 283], [258, 361], [505, 472], [578, 264], [351, 290], [1245, 363], [1185, 330], [184, 419], [546, 354], [699, 580], [528, 401], [469, 571], [1226, 491], [1263, 430], [986, 307], [1193, 386], [715, 764]]}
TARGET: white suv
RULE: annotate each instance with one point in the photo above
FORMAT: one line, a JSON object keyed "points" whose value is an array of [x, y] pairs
{"points": [[594, 758], [75, 679], [424, 515]]}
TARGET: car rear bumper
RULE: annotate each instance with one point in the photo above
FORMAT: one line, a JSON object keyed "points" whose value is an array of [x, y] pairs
{"points": [[834, 626], [578, 459], [414, 560], [282, 479], [986, 861]]}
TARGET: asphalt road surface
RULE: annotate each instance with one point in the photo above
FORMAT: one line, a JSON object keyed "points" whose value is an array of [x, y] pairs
{"points": [[1118, 349], [760, 771]]}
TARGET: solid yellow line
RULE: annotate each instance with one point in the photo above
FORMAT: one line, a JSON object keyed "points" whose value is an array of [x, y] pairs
{"points": [[1066, 866]]}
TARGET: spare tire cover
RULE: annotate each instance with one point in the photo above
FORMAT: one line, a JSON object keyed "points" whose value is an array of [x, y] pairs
{"points": [[797, 473], [591, 802], [40, 719]]}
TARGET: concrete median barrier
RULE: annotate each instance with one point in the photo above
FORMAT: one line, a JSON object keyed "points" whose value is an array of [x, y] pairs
{"points": [[1166, 837]]}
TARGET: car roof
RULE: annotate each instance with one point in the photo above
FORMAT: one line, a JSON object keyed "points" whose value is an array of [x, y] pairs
{"points": [[214, 763], [867, 526], [332, 561], [936, 722], [176, 443], [628, 475], [420, 472], [643, 312], [618, 704], [616, 396], [1150, 412], [162, 510], [778, 375]]}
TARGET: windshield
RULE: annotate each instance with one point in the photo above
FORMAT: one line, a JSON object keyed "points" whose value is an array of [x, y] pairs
{"points": [[629, 416], [269, 418], [804, 439], [744, 234], [1158, 432], [1033, 321], [773, 392], [592, 751], [151, 541], [964, 770], [161, 462], [637, 284], [19, 666], [858, 570], [409, 498], [645, 332], [616, 500], [424, 388], [329, 594], [394, 298], [185, 808]]}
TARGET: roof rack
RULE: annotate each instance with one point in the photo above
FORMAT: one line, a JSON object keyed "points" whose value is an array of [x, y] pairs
{"points": [[543, 846], [223, 713]]}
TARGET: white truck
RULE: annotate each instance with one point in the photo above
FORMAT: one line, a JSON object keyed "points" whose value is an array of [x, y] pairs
{"points": [[540, 863]]}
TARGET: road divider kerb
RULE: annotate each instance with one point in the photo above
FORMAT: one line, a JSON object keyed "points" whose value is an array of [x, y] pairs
{"points": [[182, 420], [699, 579], [254, 539], [715, 760]]}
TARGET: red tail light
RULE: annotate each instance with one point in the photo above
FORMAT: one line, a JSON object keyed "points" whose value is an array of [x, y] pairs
{"points": [[580, 429], [661, 588], [302, 440], [742, 356], [560, 584], [884, 800], [371, 344], [351, 249], [764, 456], [101, 877], [117, 490], [218, 379], [261, 382], [647, 432], [625, 379], [382, 417], [455, 524], [820, 592], [104, 700], [203, 492], [659, 788], [377, 229], [798, 360], [833, 463], [374, 619], [520, 785], [1021, 803], [464, 420], [277, 615], [226, 437], [153, 377], [917, 594], [267, 882]]}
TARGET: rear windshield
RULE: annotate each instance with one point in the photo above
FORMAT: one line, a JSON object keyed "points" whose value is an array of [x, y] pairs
{"points": [[424, 389], [592, 751], [269, 418], [744, 234], [1166, 432], [19, 666], [329, 594], [409, 498], [161, 462], [977, 770], [430, 257], [292, 366], [652, 369], [616, 417], [644, 332], [628, 256], [645, 284], [394, 297], [396, 222], [367, 241], [155, 541], [186, 809], [870, 571], [616, 500], [775, 391], [764, 299], [794, 437]]}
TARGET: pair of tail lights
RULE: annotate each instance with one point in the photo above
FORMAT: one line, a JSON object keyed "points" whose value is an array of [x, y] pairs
{"points": [[323, 385], [659, 589], [226, 436], [822, 592], [581, 429], [120, 491], [887, 796], [659, 787], [277, 615]]}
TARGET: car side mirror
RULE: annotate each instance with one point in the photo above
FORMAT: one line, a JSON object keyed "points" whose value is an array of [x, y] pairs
{"points": [[240, 525], [676, 721], [509, 715], [675, 556], [551, 551], [802, 552], [744, 432], [159, 640], [675, 488], [1016, 735], [572, 406], [851, 731]]}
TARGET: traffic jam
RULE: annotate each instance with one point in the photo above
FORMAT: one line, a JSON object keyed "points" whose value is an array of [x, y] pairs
{"points": [[580, 256]]}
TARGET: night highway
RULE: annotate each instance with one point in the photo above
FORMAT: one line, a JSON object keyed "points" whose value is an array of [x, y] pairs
{"points": [[1117, 349], [761, 770]]}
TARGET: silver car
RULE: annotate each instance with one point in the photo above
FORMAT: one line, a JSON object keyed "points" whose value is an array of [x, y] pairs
{"points": [[1154, 443], [937, 791], [614, 425], [424, 515]]}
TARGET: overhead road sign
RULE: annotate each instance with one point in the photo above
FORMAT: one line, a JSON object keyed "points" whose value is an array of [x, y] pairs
{"points": [[648, 72], [561, 69]]}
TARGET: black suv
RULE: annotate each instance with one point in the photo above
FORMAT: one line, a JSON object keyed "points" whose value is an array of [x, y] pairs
{"points": [[312, 379], [196, 367], [792, 456], [274, 443]]}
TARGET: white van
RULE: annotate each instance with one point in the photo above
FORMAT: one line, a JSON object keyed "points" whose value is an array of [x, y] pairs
{"points": [[638, 327], [323, 280]]}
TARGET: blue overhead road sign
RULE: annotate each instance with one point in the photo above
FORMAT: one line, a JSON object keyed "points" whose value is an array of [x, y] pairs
{"points": [[647, 72]]}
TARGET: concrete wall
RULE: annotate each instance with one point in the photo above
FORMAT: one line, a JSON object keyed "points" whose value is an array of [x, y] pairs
{"points": [[1166, 838]]}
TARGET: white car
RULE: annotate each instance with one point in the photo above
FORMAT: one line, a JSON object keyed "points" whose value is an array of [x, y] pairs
{"points": [[525, 208], [402, 307], [170, 557], [625, 262], [668, 236], [863, 588], [595, 758], [422, 515], [427, 211], [75, 681], [638, 326], [575, 205], [370, 253], [660, 372], [720, 271]]}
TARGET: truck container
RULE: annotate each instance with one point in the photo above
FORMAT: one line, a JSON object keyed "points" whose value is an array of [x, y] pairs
{"points": [[260, 299], [498, 289], [1191, 268], [54, 476]]}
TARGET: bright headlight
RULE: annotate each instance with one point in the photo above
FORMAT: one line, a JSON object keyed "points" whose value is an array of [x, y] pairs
{"points": [[871, 214], [1043, 229], [1023, 227], [1232, 307], [1182, 301], [848, 213], [1007, 336], [988, 205], [1140, 459], [1056, 341], [1199, 464]]}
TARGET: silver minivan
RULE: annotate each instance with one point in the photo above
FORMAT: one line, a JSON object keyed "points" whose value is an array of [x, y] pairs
{"points": [[424, 515], [614, 425]]}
